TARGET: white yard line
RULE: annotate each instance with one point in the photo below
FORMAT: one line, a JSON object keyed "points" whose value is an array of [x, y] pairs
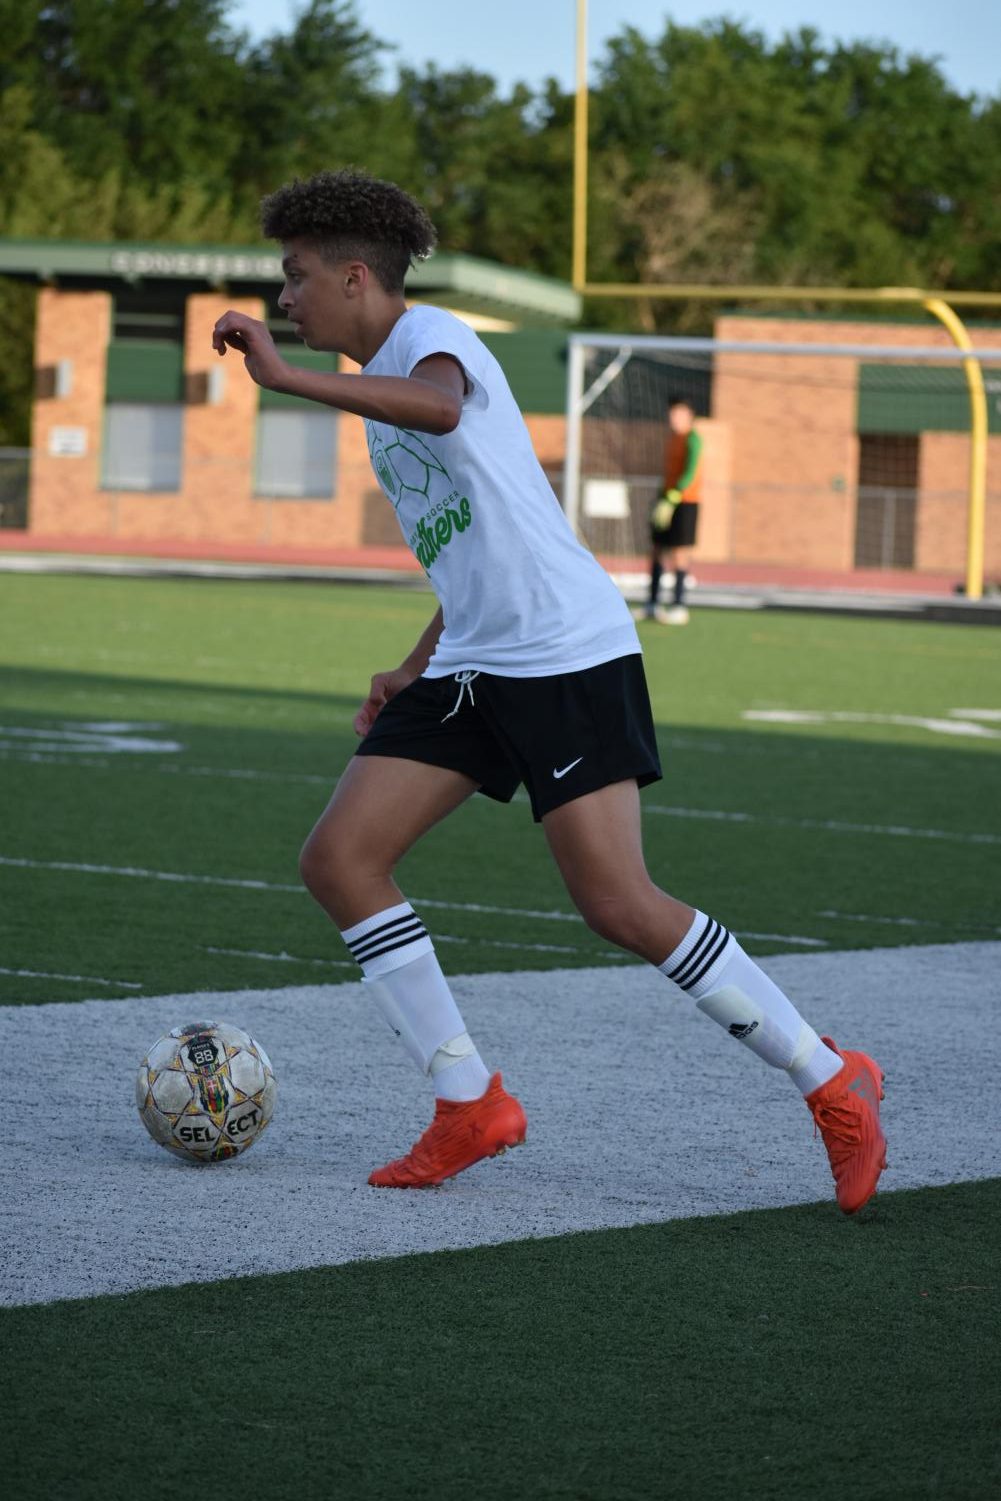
{"points": [[806, 943], [954, 726], [710, 815], [177, 877], [980, 930], [825, 825], [483, 943], [45, 974], [281, 958], [80, 867], [640, 1111], [537, 948]]}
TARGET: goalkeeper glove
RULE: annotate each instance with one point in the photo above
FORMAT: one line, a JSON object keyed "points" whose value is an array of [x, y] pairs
{"points": [[665, 508]]}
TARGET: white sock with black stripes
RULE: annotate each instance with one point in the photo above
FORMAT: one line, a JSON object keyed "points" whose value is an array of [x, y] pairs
{"points": [[727, 985], [400, 965]]}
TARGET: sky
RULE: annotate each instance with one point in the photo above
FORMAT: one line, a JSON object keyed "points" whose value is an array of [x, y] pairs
{"points": [[528, 40]]}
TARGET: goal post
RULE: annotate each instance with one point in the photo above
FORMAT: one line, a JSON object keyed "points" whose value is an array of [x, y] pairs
{"points": [[827, 456]]}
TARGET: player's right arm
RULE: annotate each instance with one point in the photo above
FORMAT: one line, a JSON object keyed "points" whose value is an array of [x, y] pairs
{"points": [[386, 685], [429, 400]]}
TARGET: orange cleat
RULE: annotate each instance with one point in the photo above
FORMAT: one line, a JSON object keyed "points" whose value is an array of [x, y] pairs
{"points": [[462, 1132], [846, 1111]]}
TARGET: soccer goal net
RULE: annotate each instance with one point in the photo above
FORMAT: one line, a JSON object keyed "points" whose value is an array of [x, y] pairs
{"points": [[828, 456]]}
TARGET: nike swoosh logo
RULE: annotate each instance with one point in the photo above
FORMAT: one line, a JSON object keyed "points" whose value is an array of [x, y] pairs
{"points": [[558, 774]]}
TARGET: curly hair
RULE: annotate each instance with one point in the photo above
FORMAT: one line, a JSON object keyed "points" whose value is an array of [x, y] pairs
{"points": [[348, 215]]}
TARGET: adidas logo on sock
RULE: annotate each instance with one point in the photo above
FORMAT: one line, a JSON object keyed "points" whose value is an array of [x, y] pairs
{"points": [[740, 1030]]}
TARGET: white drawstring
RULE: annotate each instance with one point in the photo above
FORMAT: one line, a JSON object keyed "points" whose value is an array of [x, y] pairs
{"points": [[465, 681]]}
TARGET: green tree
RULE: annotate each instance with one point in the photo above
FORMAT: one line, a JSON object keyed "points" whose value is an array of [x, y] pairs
{"points": [[150, 87], [494, 172], [312, 99], [715, 154], [845, 164]]}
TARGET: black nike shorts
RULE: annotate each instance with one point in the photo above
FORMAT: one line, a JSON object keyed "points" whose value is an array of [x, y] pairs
{"points": [[683, 529], [563, 736]]}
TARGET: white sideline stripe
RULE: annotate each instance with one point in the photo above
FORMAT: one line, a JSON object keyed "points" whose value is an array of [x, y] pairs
{"points": [[45, 974], [136, 873], [682, 1122]]}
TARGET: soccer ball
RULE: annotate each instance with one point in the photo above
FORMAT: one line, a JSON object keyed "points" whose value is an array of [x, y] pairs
{"points": [[206, 1091]]}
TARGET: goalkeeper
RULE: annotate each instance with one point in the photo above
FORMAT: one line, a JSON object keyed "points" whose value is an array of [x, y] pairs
{"points": [[675, 516]]}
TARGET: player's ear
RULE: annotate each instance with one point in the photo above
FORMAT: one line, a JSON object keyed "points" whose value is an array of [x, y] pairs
{"points": [[356, 278]]}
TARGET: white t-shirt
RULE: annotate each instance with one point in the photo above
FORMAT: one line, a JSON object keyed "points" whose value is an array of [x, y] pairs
{"points": [[520, 596]]}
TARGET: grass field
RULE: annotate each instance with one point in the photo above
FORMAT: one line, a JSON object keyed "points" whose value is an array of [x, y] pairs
{"points": [[165, 746]]}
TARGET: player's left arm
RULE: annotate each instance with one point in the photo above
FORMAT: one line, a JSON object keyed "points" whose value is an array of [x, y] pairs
{"points": [[693, 456], [429, 400]]}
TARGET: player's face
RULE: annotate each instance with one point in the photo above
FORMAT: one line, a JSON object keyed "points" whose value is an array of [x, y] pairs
{"points": [[315, 297], [681, 418]]}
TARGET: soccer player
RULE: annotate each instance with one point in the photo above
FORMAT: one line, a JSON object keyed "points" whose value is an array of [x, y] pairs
{"points": [[530, 671], [674, 519]]}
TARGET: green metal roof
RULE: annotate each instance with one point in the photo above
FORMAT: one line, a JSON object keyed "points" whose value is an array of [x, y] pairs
{"points": [[467, 280], [921, 398], [304, 359], [460, 281], [145, 370], [534, 360]]}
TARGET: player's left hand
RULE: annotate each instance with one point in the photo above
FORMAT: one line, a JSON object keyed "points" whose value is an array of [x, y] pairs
{"points": [[385, 685], [251, 337]]}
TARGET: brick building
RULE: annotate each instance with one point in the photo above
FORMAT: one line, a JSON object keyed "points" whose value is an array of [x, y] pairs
{"points": [[144, 441], [841, 462]]}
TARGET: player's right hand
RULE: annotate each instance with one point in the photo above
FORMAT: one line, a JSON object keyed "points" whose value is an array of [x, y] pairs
{"points": [[385, 685], [253, 340], [660, 517]]}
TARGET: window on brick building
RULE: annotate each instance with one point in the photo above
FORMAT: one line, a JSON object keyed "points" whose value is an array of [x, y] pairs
{"points": [[296, 453], [142, 446], [886, 514], [144, 412], [296, 439]]}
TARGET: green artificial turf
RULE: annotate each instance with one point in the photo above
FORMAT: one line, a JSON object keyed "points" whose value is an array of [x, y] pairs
{"points": [[789, 1353], [773, 827], [785, 1353]]}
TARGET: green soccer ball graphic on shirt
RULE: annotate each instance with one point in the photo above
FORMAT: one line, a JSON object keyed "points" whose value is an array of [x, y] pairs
{"points": [[406, 466]]}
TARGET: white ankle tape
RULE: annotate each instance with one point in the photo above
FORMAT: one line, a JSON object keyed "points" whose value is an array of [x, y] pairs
{"points": [[451, 1052], [806, 1045]]}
